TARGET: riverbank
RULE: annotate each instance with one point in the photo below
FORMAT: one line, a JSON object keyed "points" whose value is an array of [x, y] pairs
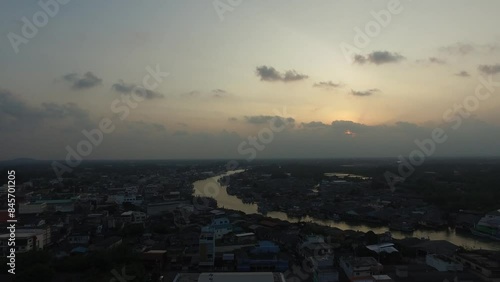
{"points": [[227, 201]]}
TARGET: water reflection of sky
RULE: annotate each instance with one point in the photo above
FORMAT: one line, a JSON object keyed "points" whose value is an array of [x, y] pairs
{"points": [[210, 187]]}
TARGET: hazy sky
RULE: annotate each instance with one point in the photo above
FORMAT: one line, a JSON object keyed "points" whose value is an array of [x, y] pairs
{"points": [[233, 65]]}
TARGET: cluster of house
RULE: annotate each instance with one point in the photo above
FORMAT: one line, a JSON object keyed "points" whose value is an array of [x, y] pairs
{"points": [[213, 244]]}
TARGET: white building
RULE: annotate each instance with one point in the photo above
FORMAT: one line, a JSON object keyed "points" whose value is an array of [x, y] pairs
{"points": [[25, 242], [443, 263], [221, 226], [315, 246], [207, 247], [42, 236], [323, 270], [122, 198], [360, 268], [133, 217]]}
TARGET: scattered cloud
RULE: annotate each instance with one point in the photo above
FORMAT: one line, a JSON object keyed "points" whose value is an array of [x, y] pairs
{"points": [[462, 74], [271, 74], [489, 69], [365, 93], [129, 88], [193, 93], [458, 48], [15, 113], [313, 124], [435, 60], [220, 93], [463, 49], [80, 82], [378, 58], [265, 119], [53, 110], [328, 85]]}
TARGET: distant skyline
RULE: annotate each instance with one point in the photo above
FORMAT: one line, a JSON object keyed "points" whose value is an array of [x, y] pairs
{"points": [[229, 76]]}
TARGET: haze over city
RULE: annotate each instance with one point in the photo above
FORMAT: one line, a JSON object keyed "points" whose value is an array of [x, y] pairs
{"points": [[233, 140], [231, 70]]}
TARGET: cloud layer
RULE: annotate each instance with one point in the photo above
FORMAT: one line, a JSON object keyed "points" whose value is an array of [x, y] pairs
{"points": [[328, 85], [378, 58], [129, 88], [489, 69], [80, 82], [271, 74], [364, 93]]}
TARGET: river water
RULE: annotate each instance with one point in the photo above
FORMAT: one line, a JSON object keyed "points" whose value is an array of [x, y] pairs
{"points": [[210, 187]]}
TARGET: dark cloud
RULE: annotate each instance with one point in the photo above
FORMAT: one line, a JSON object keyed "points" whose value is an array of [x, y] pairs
{"points": [[435, 60], [313, 124], [462, 74], [292, 75], [53, 110], [458, 48], [463, 49], [13, 105], [327, 85], [265, 119], [378, 58], [359, 59], [365, 93], [129, 88], [15, 113], [489, 69], [85, 81], [232, 119], [271, 74], [268, 73], [220, 93]]}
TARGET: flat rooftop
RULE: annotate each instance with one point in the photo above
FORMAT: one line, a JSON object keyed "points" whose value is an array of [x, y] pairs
{"points": [[230, 277]]}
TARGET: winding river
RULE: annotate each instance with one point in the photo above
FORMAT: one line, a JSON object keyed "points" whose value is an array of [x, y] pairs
{"points": [[210, 187]]}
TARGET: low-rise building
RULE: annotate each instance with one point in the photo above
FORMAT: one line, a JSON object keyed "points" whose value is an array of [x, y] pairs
{"points": [[207, 247], [221, 226], [133, 217], [59, 205], [359, 268], [486, 264], [25, 242], [43, 236], [32, 208], [156, 209], [230, 277], [443, 263]]}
